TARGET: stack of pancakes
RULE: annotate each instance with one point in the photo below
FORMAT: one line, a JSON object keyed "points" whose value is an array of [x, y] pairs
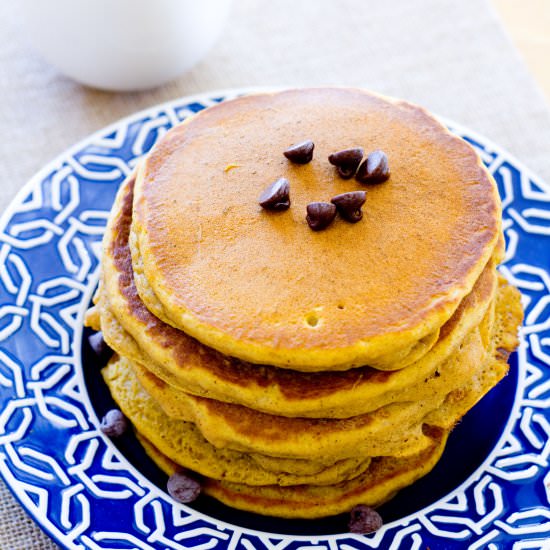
{"points": [[301, 373]]}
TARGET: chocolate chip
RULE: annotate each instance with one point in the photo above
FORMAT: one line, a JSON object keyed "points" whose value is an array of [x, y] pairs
{"points": [[375, 169], [502, 353], [114, 423], [300, 153], [276, 196], [183, 488], [349, 205], [346, 161], [99, 346], [364, 520], [320, 215]]}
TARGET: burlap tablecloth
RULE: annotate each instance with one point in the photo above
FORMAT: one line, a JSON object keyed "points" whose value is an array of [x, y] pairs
{"points": [[452, 57]]}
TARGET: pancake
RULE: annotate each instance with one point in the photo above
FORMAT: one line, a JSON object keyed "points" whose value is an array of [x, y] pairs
{"points": [[504, 341], [300, 372], [182, 362], [392, 430], [384, 477], [239, 428], [365, 389], [182, 442], [262, 286]]}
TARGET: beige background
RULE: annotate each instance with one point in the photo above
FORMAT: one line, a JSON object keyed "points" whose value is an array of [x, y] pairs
{"points": [[453, 57], [528, 23]]}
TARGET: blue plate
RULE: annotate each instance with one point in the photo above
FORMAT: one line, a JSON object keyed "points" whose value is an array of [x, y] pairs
{"points": [[490, 490]]}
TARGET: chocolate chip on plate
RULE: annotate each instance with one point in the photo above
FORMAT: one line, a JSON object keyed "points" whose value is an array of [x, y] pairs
{"points": [[183, 488], [276, 196], [300, 153], [349, 205], [364, 520], [99, 346], [346, 161], [320, 215], [114, 423], [375, 168]]}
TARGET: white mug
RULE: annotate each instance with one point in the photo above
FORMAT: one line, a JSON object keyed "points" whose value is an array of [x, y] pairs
{"points": [[124, 45]]}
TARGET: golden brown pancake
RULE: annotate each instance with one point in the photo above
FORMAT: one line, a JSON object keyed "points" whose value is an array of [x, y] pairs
{"points": [[182, 442], [263, 287], [392, 430], [303, 372], [358, 391], [184, 363], [503, 341], [385, 475], [383, 478]]}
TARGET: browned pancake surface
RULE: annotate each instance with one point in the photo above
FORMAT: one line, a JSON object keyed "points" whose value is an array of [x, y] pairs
{"points": [[246, 281], [194, 367]]}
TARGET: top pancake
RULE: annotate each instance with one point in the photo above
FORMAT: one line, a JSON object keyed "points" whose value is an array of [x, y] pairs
{"points": [[262, 286]]}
